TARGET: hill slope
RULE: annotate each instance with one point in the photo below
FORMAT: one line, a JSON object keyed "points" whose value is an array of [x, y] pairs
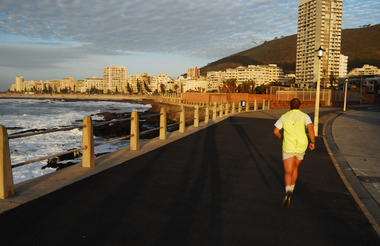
{"points": [[361, 45]]}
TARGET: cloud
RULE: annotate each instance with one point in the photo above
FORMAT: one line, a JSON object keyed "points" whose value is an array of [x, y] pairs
{"points": [[50, 32], [198, 28]]}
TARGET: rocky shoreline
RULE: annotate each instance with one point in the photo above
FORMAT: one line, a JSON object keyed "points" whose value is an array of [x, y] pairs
{"points": [[112, 129]]}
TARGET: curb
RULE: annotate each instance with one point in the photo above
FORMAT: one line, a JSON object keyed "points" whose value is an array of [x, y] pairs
{"points": [[352, 183]]}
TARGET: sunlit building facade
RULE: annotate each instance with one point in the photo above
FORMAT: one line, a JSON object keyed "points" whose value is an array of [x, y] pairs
{"points": [[319, 25]]}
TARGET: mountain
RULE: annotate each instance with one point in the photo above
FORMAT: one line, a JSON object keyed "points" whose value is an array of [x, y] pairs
{"points": [[361, 45]]}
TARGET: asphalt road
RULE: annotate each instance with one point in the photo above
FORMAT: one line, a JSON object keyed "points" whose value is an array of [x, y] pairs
{"points": [[220, 186]]}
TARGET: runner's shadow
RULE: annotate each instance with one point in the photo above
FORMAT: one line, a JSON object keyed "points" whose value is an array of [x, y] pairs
{"points": [[257, 157]]}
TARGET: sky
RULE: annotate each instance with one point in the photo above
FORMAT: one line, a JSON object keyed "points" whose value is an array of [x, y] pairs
{"points": [[53, 39]]}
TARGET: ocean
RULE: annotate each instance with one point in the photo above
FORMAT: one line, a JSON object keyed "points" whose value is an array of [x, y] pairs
{"points": [[28, 114]]}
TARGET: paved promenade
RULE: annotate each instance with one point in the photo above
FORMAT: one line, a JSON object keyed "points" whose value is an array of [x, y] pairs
{"points": [[222, 185], [357, 135]]}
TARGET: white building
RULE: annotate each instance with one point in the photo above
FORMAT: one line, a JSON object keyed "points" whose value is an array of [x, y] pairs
{"points": [[159, 79], [319, 25], [343, 64], [115, 78], [365, 70]]}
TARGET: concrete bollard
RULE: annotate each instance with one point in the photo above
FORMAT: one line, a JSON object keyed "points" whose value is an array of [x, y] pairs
{"points": [[182, 120], [247, 107], [255, 105], [6, 176], [207, 114], [214, 113], [221, 110], [88, 156], [239, 108], [196, 116], [226, 109], [135, 131], [163, 123], [233, 108]]}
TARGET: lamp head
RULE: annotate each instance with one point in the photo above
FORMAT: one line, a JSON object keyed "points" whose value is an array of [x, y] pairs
{"points": [[320, 52]]}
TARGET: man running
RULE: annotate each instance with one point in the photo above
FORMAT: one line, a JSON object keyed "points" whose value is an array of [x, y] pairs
{"points": [[294, 143]]}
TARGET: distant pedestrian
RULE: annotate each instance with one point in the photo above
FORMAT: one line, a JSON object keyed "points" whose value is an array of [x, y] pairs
{"points": [[294, 143]]}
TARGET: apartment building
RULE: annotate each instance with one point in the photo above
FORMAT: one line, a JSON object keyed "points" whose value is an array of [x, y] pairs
{"points": [[137, 82], [115, 78], [364, 71], [215, 80], [319, 25], [94, 83], [343, 64], [193, 73], [159, 79], [19, 83], [260, 74]]}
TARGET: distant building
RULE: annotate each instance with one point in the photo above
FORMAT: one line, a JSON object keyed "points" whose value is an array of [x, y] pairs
{"points": [[319, 25], [158, 80], [193, 73], [94, 83], [365, 70], [139, 82], [343, 64], [194, 85], [259, 74], [20, 84], [115, 78], [215, 80]]}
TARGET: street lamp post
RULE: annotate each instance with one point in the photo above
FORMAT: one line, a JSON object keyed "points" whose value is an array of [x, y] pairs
{"points": [[317, 96], [345, 95]]}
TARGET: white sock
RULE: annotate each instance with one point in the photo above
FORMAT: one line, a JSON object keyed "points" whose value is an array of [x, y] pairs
{"points": [[288, 188], [292, 187]]}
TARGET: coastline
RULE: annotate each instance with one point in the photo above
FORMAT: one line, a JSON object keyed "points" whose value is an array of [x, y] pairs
{"points": [[145, 99]]}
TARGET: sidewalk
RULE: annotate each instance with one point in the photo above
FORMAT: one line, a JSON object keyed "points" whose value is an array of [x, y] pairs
{"points": [[357, 137]]}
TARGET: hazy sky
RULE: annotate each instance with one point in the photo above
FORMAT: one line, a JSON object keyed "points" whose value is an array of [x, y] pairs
{"points": [[52, 39]]}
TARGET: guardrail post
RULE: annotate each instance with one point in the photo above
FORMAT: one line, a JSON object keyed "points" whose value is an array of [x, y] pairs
{"points": [[214, 112], [233, 108], [135, 132], [182, 120], [196, 116], [6, 176], [163, 123], [207, 114], [247, 107], [263, 104], [255, 106], [226, 109], [239, 108], [88, 156], [221, 110]]}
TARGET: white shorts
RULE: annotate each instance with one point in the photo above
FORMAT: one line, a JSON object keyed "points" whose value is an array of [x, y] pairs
{"points": [[286, 155]]}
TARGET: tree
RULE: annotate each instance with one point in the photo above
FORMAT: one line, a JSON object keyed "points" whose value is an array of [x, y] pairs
{"points": [[261, 89], [176, 87], [147, 87], [229, 86], [246, 87], [129, 89], [139, 87], [162, 86]]}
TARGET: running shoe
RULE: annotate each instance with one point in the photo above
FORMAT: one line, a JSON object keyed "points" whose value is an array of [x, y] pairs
{"points": [[287, 198]]}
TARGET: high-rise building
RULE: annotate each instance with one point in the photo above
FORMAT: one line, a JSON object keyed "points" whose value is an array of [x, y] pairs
{"points": [[319, 25], [343, 66], [19, 84], [115, 78], [193, 73]]}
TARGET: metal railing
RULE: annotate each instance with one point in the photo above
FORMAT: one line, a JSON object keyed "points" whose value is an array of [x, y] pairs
{"points": [[88, 154]]}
